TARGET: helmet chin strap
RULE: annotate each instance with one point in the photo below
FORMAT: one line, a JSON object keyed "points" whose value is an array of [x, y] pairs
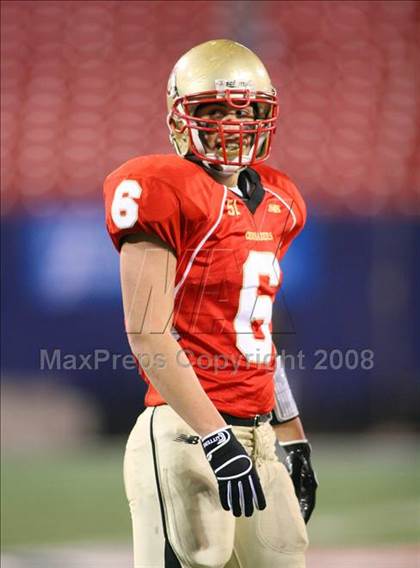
{"points": [[222, 169]]}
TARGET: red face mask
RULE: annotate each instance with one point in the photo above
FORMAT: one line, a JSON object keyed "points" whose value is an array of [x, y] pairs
{"points": [[253, 136]]}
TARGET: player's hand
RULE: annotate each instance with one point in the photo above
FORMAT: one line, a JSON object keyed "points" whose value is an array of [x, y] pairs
{"points": [[239, 485], [298, 461]]}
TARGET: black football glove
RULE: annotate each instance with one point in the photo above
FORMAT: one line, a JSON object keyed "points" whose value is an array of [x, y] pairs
{"points": [[239, 485], [298, 462]]}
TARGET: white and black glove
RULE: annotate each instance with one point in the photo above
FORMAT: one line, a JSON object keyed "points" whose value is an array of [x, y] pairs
{"points": [[239, 485], [298, 461]]}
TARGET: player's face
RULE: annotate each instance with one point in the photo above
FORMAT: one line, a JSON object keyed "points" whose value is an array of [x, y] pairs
{"points": [[224, 112]]}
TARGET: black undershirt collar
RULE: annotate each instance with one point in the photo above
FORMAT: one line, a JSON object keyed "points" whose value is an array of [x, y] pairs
{"points": [[249, 179]]}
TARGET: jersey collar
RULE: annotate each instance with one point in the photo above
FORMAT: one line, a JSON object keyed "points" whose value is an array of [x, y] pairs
{"points": [[249, 183]]}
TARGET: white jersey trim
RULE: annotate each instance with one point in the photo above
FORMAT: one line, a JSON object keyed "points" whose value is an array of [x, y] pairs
{"points": [[236, 190], [289, 207], [201, 244]]}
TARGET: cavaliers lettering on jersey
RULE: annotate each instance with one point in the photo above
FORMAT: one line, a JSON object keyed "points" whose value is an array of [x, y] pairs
{"points": [[228, 270]]}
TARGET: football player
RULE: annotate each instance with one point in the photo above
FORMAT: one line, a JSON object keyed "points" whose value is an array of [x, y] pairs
{"points": [[201, 235]]}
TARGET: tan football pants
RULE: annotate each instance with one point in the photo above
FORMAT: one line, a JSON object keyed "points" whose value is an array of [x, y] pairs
{"points": [[172, 477]]}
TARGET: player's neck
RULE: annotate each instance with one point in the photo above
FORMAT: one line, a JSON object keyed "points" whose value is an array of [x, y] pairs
{"points": [[228, 181]]}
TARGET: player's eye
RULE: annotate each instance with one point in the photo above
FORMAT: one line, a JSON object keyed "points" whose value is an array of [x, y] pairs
{"points": [[204, 124], [216, 114]]}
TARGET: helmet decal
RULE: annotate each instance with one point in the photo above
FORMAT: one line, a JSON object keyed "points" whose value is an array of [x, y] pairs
{"points": [[172, 91]]}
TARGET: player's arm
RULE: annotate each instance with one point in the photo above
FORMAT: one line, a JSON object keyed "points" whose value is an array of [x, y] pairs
{"points": [[290, 431], [291, 436], [148, 275], [147, 279]]}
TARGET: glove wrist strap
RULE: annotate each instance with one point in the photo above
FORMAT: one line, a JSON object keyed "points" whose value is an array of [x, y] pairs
{"points": [[204, 438]]}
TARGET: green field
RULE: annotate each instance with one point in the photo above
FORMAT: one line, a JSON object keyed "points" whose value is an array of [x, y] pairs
{"points": [[369, 495]]}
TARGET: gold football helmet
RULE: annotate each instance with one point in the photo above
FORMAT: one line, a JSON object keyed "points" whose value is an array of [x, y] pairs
{"points": [[214, 72]]}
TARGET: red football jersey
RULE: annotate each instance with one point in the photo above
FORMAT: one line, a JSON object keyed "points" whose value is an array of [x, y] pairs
{"points": [[228, 270]]}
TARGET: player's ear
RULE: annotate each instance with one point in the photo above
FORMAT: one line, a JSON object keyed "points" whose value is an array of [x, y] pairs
{"points": [[176, 124], [178, 135]]}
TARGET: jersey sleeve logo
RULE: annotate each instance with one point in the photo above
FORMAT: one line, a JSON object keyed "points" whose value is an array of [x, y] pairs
{"points": [[274, 208]]}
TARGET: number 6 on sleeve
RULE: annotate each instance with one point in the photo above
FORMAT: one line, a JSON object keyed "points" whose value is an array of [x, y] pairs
{"points": [[124, 210]]}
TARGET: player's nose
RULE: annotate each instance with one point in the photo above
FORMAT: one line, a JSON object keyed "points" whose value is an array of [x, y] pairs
{"points": [[227, 119]]}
